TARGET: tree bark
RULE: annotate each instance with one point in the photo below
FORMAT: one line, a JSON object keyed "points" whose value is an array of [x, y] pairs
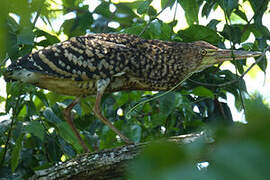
{"points": [[106, 164]]}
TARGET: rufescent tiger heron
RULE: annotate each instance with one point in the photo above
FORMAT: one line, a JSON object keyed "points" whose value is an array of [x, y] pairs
{"points": [[95, 64]]}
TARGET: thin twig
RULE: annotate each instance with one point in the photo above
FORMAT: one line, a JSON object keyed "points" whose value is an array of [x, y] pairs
{"points": [[128, 116], [240, 93], [248, 23], [14, 113], [174, 17], [153, 18], [37, 16], [7, 142]]}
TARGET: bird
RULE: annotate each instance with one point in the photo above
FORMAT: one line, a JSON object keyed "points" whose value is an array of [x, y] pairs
{"points": [[95, 64]]}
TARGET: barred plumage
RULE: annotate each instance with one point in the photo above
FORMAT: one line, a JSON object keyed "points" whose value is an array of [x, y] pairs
{"points": [[99, 63], [80, 61]]}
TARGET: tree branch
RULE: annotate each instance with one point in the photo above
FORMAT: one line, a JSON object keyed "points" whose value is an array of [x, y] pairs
{"points": [[105, 164]]}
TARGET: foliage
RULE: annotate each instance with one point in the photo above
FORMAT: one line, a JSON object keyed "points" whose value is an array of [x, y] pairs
{"points": [[239, 152], [35, 136]]}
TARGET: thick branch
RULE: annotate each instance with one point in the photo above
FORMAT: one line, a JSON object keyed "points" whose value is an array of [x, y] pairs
{"points": [[105, 164]]}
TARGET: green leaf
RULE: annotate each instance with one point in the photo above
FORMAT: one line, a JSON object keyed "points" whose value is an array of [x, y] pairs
{"points": [[191, 8], [26, 36], [136, 133], [228, 5], [77, 26], [42, 98], [67, 148], [104, 9], [167, 103], [259, 7], [202, 91], [152, 11], [232, 159], [241, 14], [158, 119], [16, 151], [53, 149], [4, 125], [12, 45], [69, 136], [2, 99], [169, 3], [30, 108], [35, 128], [155, 27], [213, 24], [198, 32], [136, 29], [156, 159], [144, 6], [232, 33], [12, 24], [51, 116], [263, 64], [247, 46], [239, 65], [160, 30], [208, 7], [50, 39]]}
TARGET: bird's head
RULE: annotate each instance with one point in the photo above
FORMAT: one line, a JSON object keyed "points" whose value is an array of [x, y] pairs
{"points": [[212, 55]]}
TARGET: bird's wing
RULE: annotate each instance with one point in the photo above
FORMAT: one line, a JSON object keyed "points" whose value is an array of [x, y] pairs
{"points": [[81, 58]]}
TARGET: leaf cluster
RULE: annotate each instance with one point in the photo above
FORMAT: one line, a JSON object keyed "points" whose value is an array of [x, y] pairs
{"points": [[239, 152]]}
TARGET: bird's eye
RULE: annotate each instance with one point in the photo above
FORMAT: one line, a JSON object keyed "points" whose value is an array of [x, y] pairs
{"points": [[203, 52]]}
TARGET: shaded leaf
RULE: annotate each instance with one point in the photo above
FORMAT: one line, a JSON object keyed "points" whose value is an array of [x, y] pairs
{"points": [[241, 14], [104, 9], [232, 33], [144, 6], [208, 7], [198, 32], [202, 91], [259, 7], [35, 128], [168, 3], [167, 103], [53, 150], [69, 136], [16, 151], [213, 24], [26, 36], [136, 133], [228, 5], [231, 156], [51, 116], [191, 8], [263, 64], [42, 98], [30, 108]]}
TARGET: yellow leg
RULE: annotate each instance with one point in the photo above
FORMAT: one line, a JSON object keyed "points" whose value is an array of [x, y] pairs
{"points": [[101, 86], [68, 118]]}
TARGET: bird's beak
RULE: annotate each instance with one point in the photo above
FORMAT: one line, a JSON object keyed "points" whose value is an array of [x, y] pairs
{"points": [[227, 55]]}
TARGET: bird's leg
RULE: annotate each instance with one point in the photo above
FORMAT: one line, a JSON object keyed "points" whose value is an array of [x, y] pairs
{"points": [[101, 86], [69, 119]]}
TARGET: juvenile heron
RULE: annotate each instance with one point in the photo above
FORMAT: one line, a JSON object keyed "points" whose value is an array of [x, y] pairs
{"points": [[95, 64]]}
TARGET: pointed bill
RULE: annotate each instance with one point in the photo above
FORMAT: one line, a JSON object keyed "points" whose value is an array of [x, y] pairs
{"points": [[227, 55]]}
